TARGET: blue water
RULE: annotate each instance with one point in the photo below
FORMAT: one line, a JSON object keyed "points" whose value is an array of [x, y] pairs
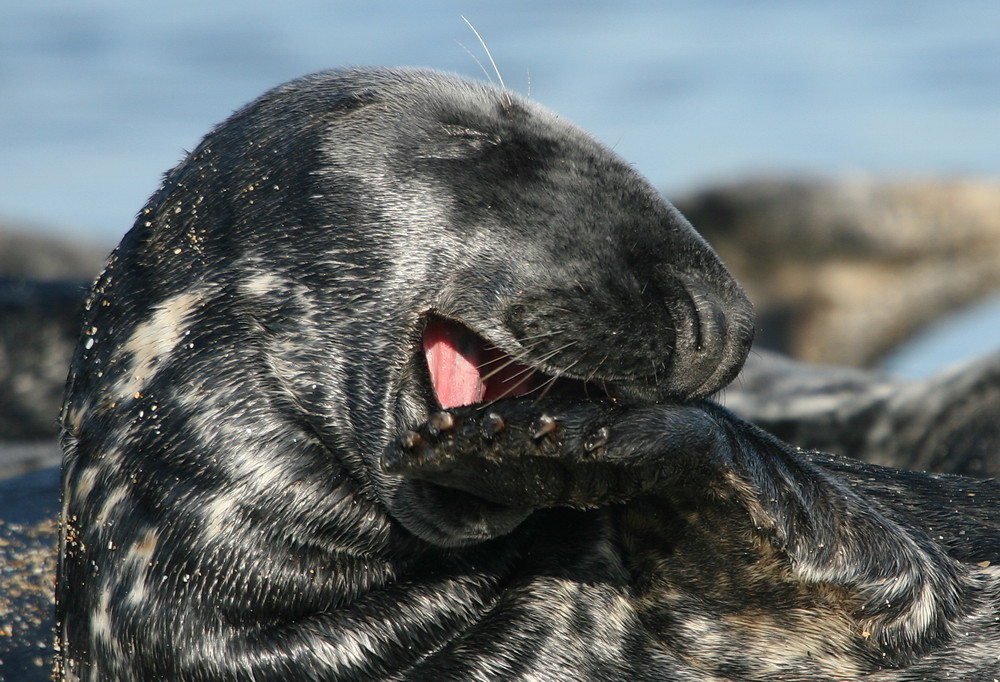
{"points": [[99, 97]]}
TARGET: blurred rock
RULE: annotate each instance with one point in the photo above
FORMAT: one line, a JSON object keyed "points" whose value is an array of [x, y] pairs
{"points": [[947, 423], [43, 279], [29, 253], [842, 271], [39, 325]]}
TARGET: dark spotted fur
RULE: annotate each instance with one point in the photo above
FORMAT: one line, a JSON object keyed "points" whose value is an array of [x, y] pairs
{"points": [[260, 484]]}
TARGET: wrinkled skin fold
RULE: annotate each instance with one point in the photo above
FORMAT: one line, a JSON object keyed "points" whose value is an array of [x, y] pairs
{"points": [[261, 480]]}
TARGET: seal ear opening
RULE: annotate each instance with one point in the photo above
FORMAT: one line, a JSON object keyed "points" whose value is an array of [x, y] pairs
{"points": [[465, 369]]}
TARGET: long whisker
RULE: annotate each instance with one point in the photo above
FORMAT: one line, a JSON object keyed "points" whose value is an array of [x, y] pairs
{"points": [[510, 360], [510, 100], [477, 60], [503, 358], [503, 362], [597, 368], [545, 358], [550, 382], [545, 387], [555, 351], [497, 370], [528, 372]]}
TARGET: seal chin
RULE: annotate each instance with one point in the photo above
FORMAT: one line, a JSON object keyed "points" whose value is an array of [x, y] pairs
{"points": [[448, 517]]}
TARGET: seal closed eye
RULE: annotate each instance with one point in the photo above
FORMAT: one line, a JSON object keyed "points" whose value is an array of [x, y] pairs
{"points": [[400, 376]]}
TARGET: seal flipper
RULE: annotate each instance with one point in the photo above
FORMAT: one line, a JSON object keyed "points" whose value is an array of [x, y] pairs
{"points": [[909, 591]]}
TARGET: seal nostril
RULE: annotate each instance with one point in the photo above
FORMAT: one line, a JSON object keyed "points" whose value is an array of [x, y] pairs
{"points": [[711, 337], [712, 327]]}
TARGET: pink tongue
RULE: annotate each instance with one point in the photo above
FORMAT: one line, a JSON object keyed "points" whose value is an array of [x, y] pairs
{"points": [[454, 370]]}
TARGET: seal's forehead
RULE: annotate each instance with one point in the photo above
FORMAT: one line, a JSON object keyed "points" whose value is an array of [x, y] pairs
{"points": [[426, 85], [384, 85], [411, 95]]}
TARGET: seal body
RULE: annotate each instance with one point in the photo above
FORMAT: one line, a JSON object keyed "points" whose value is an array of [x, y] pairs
{"points": [[945, 423], [402, 376]]}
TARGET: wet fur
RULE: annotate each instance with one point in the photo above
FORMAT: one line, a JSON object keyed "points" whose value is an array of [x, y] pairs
{"points": [[259, 483]]}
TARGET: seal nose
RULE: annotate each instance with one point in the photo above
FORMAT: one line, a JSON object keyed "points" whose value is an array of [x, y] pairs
{"points": [[712, 335], [672, 337]]}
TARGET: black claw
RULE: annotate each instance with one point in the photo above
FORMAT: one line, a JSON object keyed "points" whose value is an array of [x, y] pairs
{"points": [[543, 426], [410, 440], [598, 440], [492, 424], [442, 421]]}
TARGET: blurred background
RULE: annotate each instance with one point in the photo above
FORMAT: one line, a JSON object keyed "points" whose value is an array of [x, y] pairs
{"points": [[830, 151], [99, 97]]}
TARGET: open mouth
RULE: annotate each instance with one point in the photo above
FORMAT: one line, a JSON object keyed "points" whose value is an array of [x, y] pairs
{"points": [[465, 369]]}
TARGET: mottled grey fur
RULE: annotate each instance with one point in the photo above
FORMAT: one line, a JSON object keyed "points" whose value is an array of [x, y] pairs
{"points": [[259, 481]]}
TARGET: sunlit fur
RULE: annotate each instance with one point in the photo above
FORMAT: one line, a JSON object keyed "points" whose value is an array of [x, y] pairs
{"points": [[244, 499]]}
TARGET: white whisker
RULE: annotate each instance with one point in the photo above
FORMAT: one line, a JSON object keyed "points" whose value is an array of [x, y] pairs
{"points": [[489, 55]]}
